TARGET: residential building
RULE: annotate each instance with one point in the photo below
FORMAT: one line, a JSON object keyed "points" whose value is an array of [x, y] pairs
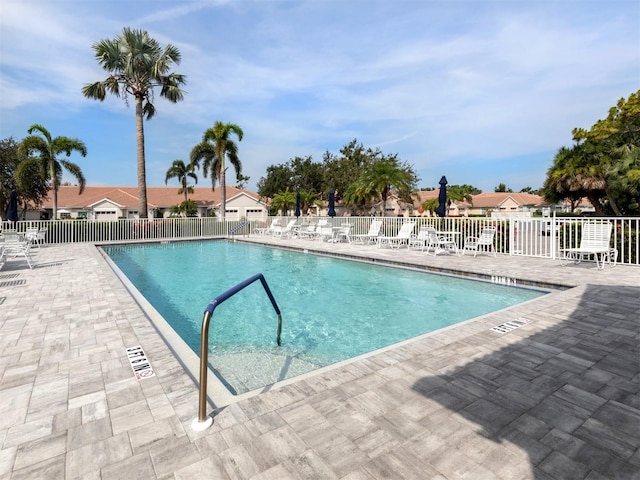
{"points": [[112, 203]]}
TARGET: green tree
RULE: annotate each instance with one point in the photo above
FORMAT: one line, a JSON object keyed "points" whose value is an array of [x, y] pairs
{"points": [[136, 64], [283, 201], [603, 164], [568, 178], [308, 200], [385, 175], [242, 181], [217, 145], [431, 205], [340, 171], [299, 173], [461, 193], [502, 188], [278, 178], [44, 151], [183, 173], [9, 160], [188, 208]]}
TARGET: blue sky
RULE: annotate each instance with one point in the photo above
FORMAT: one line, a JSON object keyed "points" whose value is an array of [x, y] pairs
{"points": [[481, 91]]}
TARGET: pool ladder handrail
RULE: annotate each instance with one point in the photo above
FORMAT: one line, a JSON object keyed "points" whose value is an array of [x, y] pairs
{"points": [[202, 422]]}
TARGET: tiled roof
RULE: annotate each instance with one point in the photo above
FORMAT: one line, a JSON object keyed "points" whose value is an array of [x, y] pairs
{"points": [[495, 199], [127, 197]]}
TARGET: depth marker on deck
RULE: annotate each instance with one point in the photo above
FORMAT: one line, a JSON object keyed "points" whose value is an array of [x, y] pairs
{"points": [[139, 363], [510, 325]]}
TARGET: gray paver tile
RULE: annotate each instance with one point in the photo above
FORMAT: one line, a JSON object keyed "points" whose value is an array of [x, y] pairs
{"points": [[39, 450], [564, 388], [50, 468], [558, 465], [138, 466]]}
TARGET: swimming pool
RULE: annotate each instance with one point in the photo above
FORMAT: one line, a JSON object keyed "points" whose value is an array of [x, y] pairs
{"points": [[332, 309]]}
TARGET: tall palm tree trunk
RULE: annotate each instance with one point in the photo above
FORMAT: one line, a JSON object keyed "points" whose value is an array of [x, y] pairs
{"points": [[54, 184], [223, 193], [142, 173]]}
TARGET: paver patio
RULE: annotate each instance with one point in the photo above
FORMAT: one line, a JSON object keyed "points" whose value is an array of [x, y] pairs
{"points": [[558, 398]]}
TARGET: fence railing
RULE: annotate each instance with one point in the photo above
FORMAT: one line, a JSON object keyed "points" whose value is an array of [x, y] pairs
{"points": [[532, 237]]}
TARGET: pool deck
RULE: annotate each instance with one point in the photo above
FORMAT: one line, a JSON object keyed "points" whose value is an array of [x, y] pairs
{"points": [[557, 398]]}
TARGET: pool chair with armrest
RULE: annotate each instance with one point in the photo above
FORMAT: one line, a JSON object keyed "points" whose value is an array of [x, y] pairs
{"points": [[401, 238], [270, 229], [343, 233], [14, 247], [324, 231], [420, 240], [484, 242], [441, 243], [371, 235], [594, 241], [307, 231], [284, 232]]}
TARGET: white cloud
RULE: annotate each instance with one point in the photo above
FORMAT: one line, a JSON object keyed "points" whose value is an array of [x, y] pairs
{"points": [[436, 83]]}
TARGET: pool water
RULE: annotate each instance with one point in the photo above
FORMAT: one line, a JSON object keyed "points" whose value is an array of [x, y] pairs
{"points": [[332, 309]]}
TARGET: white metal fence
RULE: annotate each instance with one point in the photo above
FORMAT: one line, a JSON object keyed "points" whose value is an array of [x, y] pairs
{"points": [[534, 237]]}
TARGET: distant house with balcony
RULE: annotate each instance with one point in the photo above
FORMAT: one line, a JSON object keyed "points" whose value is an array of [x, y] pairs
{"points": [[112, 203]]}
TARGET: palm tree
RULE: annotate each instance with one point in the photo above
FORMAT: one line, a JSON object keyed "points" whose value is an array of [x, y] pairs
{"points": [[283, 201], [136, 64], [381, 177], [215, 146], [182, 172], [431, 205], [308, 200], [43, 151]]}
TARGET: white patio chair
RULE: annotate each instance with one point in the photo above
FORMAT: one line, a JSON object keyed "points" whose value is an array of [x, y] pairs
{"points": [[420, 240], [594, 241], [14, 247], [441, 243], [484, 242], [324, 230]]}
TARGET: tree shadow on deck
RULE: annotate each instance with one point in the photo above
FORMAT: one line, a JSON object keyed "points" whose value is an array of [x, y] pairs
{"points": [[568, 396]]}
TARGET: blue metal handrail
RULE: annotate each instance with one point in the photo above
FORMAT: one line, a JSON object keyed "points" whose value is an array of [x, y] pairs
{"points": [[202, 421]]}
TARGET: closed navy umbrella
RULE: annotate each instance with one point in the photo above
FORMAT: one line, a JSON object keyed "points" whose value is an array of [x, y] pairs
{"points": [[297, 212], [332, 203], [441, 211], [12, 209]]}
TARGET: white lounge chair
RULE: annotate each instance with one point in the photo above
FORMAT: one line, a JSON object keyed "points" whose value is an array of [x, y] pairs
{"points": [[343, 233], [402, 237], [14, 247], [371, 235], [482, 243], [307, 231], [594, 241], [270, 229], [280, 232]]}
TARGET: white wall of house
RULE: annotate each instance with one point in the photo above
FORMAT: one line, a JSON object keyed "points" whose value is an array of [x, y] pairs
{"points": [[243, 206]]}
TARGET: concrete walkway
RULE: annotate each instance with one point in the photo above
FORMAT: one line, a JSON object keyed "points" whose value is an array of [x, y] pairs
{"points": [[557, 398]]}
